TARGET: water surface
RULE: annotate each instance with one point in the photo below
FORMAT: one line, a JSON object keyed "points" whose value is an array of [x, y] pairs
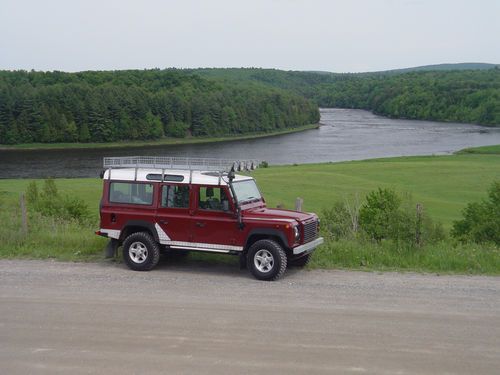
{"points": [[346, 134]]}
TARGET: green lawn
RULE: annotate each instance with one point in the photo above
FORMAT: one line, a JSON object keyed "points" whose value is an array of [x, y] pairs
{"points": [[443, 184]]}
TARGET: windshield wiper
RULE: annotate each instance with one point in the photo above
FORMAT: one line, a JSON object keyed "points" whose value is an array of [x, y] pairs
{"points": [[250, 200]]}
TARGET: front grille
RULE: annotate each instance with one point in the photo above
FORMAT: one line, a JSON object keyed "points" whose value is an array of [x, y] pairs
{"points": [[310, 231]]}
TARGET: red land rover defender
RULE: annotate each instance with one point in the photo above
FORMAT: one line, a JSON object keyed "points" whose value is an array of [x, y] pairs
{"points": [[154, 204]]}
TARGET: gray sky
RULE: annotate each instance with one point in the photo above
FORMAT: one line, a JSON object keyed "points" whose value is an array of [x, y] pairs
{"points": [[338, 36]]}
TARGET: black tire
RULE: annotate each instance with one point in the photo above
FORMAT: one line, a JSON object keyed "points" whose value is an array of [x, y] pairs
{"points": [[272, 262], [302, 261], [140, 251]]}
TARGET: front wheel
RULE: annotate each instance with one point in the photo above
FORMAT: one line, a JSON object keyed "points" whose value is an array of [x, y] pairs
{"points": [[140, 251], [267, 260]]}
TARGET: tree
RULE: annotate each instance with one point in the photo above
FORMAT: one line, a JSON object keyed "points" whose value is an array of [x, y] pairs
{"points": [[481, 220]]}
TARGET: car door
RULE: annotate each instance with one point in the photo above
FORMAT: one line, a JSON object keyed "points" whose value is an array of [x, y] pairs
{"points": [[214, 224], [173, 213]]}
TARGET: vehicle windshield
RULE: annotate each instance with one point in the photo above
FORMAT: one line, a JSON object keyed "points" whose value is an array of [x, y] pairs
{"points": [[246, 191]]}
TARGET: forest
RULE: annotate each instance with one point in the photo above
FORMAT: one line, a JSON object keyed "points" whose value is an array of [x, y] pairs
{"points": [[470, 96], [107, 106], [97, 106]]}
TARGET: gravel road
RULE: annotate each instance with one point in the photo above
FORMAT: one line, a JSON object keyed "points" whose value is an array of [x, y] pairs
{"points": [[203, 318]]}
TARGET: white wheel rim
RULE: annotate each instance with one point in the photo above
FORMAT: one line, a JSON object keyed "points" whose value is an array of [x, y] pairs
{"points": [[263, 260], [138, 252]]}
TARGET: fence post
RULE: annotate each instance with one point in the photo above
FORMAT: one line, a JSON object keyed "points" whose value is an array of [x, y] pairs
{"points": [[24, 216], [298, 204], [418, 230]]}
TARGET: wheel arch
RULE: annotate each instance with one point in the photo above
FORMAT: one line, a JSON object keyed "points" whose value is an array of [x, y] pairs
{"points": [[266, 233], [134, 226]]}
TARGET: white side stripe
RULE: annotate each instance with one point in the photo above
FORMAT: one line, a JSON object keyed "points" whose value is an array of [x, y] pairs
{"points": [[162, 236]]}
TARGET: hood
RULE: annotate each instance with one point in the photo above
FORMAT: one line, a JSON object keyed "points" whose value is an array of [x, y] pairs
{"points": [[275, 213]]}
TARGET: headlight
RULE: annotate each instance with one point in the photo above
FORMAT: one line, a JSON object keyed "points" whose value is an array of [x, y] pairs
{"points": [[297, 232]]}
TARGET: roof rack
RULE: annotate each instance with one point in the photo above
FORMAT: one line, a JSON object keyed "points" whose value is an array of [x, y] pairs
{"points": [[174, 162]]}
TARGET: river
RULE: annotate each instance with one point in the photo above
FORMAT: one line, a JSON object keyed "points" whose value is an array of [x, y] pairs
{"points": [[345, 134]]}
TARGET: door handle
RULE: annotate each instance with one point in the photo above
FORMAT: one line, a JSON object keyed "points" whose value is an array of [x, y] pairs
{"points": [[163, 221], [200, 224]]}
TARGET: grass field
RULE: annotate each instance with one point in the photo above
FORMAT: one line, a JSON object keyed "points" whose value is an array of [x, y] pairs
{"points": [[443, 184]]}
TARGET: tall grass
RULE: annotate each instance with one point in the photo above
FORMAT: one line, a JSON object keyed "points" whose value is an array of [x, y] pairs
{"points": [[47, 237], [442, 257]]}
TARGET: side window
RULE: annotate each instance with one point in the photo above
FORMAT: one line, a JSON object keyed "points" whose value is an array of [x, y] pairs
{"points": [[213, 198], [133, 193], [175, 196]]}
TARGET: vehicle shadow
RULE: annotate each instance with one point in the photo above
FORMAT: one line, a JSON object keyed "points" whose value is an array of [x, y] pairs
{"points": [[202, 263], [214, 264]]}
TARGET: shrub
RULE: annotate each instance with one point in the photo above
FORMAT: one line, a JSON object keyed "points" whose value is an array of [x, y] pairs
{"points": [[481, 220], [335, 222], [32, 193], [387, 215], [49, 189], [379, 214], [342, 220], [75, 208], [50, 203]]}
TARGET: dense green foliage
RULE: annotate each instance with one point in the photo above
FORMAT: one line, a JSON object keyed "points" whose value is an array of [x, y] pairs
{"points": [[481, 220], [462, 96], [150, 104], [384, 214], [50, 203]]}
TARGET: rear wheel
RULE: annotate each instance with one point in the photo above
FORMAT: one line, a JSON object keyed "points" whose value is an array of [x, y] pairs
{"points": [[140, 251], [267, 260]]}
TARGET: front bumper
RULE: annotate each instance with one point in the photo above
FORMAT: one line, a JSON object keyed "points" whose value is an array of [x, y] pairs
{"points": [[308, 247]]}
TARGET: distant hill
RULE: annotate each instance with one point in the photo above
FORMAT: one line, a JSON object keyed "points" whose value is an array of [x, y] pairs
{"points": [[440, 67], [423, 68]]}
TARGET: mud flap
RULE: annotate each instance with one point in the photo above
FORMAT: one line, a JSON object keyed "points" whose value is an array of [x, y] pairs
{"points": [[243, 261], [111, 248]]}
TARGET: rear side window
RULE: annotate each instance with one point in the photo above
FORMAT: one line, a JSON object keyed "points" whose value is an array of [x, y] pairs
{"points": [[175, 196], [133, 193]]}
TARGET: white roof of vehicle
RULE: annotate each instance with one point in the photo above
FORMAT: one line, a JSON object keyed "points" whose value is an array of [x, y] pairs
{"points": [[197, 177]]}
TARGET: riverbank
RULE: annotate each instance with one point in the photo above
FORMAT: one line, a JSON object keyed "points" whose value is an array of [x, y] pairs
{"points": [[491, 150], [160, 142], [443, 184]]}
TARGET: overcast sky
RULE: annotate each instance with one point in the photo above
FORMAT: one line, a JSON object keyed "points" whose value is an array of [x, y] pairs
{"points": [[335, 35]]}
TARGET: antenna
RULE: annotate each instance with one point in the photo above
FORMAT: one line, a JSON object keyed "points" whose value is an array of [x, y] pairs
{"points": [[231, 175]]}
